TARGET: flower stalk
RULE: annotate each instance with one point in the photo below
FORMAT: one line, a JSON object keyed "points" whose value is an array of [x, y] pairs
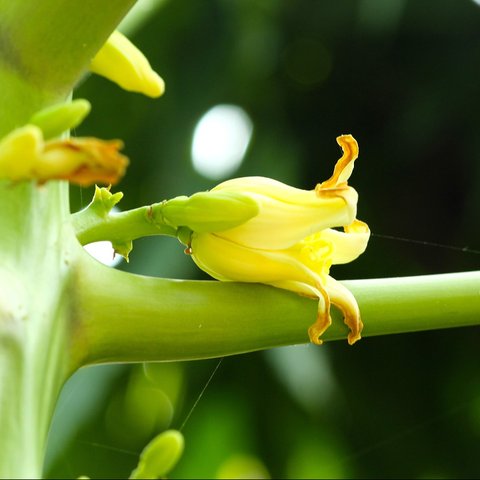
{"points": [[130, 318]]}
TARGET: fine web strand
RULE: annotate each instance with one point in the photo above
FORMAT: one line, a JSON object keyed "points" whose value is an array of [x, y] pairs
{"points": [[194, 406], [123, 451], [427, 243], [202, 392]]}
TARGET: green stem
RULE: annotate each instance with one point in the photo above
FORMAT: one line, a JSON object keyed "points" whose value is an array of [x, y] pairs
{"points": [[45, 46], [129, 318], [34, 327], [118, 227], [411, 304]]}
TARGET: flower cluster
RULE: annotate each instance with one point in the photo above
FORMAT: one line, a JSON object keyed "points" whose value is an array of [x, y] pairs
{"points": [[291, 242], [83, 161]]}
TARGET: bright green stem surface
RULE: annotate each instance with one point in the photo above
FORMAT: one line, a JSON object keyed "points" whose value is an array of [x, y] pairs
{"points": [[129, 318], [118, 227], [34, 306]]}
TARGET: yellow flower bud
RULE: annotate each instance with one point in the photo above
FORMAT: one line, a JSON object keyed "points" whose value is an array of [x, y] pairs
{"points": [[25, 155], [291, 243], [123, 63]]}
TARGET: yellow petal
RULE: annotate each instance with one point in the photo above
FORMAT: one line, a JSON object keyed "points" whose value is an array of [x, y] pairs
{"points": [[229, 261], [324, 320], [348, 245], [123, 63], [287, 214], [344, 166], [342, 298], [19, 151]]}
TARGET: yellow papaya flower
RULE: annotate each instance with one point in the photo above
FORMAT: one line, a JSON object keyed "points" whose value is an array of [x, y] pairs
{"points": [[25, 155], [291, 242], [123, 63]]}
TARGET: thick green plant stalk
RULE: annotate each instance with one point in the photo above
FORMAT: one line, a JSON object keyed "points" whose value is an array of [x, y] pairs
{"points": [[34, 279], [46, 46], [130, 318]]}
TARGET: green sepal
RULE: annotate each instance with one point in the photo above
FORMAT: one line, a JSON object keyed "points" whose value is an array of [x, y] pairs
{"points": [[103, 201], [123, 248], [184, 234], [57, 119], [205, 212], [96, 212], [160, 455]]}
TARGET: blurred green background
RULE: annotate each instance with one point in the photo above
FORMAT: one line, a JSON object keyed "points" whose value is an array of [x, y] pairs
{"points": [[402, 76]]}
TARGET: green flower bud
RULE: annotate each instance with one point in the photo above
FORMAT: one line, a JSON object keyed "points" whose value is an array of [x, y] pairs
{"points": [[160, 455], [208, 211], [55, 120]]}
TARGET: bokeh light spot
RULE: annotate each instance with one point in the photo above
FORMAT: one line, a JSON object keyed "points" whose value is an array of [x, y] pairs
{"points": [[104, 253], [220, 141]]}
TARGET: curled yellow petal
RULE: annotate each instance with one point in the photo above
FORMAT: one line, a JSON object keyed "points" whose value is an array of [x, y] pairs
{"points": [[25, 155], [344, 300], [323, 320], [123, 63], [349, 244], [344, 166]]}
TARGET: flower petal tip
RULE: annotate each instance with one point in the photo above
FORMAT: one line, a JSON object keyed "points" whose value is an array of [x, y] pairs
{"points": [[344, 166], [352, 338], [356, 327], [154, 86], [123, 63], [324, 320]]}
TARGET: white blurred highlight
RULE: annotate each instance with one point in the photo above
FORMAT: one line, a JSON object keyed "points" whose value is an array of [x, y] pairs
{"points": [[104, 253], [220, 141]]}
